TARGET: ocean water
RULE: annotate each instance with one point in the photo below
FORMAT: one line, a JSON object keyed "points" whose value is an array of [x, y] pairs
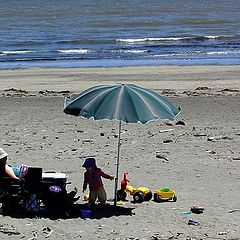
{"points": [[96, 33]]}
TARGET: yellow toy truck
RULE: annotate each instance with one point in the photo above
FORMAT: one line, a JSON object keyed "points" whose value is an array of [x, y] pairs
{"points": [[139, 194], [164, 194]]}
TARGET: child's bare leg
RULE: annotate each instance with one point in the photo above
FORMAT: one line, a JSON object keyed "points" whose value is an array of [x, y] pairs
{"points": [[92, 198], [102, 196]]}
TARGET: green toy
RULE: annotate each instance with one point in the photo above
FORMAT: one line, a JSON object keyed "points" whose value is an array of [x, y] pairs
{"points": [[164, 194]]}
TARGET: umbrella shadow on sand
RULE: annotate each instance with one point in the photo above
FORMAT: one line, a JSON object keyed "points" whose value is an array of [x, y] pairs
{"points": [[106, 211]]}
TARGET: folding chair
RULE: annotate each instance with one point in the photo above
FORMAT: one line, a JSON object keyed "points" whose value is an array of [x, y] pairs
{"points": [[32, 189], [10, 195]]}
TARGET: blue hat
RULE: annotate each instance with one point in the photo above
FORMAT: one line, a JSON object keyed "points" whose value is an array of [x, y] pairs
{"points": [[89, 162]]}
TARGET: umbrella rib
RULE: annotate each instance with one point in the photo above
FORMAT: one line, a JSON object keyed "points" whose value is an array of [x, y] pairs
{"points": [[130, 97], [94, 99], [118, 104], [145, 101], [85, 93]]}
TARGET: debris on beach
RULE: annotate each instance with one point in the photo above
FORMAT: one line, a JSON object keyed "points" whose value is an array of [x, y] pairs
{"points": [[180, 122], [193, 222], [230, 90], [156, 236], [166, 130], [47, 231], [186, 212], [197, 209], [210, 151], [162, 157], [188, 93], [54, 93], [35, 236], [9, 230], [206, 91], [178, 136], [213, 138], [15, 92], [202, 88], [234, 210], [200, 135], [87, 141], [150, 134], [7, 144]]}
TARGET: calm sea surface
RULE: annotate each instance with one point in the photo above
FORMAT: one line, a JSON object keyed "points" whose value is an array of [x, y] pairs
{"points": [[87, 33]]}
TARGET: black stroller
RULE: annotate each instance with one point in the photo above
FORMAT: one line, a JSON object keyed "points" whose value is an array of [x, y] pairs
{"points": [[39, 193]]}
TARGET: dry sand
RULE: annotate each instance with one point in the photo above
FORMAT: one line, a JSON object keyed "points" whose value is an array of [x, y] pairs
{"points": [[199, 160]]}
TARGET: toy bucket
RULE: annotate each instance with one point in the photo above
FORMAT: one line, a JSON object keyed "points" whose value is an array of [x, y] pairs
{"points": [[86, 214]]}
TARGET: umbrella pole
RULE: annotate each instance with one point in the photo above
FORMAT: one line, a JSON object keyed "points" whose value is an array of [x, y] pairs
{"points": [[118, 156]]}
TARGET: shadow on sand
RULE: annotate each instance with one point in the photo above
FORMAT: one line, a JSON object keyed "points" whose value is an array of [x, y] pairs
{"points": [[106, 211], [78, 211]]}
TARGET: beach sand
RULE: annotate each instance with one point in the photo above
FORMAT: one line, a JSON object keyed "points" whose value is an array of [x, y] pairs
{"points": [[179, 78], [199, 160]]}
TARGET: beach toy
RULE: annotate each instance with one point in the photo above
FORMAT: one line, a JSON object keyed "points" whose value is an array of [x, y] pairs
{"points": [[193, 222], [86, 213], [86, 197], [120, 203], [164, 194], [186, 212], [139, 194], [55, 189], [121, 193], [196, 209]]}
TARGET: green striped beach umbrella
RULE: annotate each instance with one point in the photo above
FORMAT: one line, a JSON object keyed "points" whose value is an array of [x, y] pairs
{"points": [[123, 102]]}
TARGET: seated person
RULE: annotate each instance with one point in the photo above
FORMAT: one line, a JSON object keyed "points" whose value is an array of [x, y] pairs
{"points": [[12, 172], [5, 169]]}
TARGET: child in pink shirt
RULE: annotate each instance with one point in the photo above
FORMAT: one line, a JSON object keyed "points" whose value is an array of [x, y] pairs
{"points": [[93, 178]]}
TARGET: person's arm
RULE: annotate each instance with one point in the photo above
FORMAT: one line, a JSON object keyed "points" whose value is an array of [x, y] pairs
{"points": [[85, 183], [104, 175], [9, 172]]}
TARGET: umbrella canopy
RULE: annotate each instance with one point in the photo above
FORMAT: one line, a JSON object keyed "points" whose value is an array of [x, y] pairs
{"points": [[124, 102]]}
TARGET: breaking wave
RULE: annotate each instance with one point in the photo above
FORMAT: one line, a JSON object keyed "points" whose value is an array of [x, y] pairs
{"points": [[172, 39]]}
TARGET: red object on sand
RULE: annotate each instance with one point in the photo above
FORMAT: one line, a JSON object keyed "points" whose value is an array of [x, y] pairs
{"points": [[124, 182]]}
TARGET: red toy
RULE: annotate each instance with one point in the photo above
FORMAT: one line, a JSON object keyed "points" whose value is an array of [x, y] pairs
{"points": [[121, 193]]}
